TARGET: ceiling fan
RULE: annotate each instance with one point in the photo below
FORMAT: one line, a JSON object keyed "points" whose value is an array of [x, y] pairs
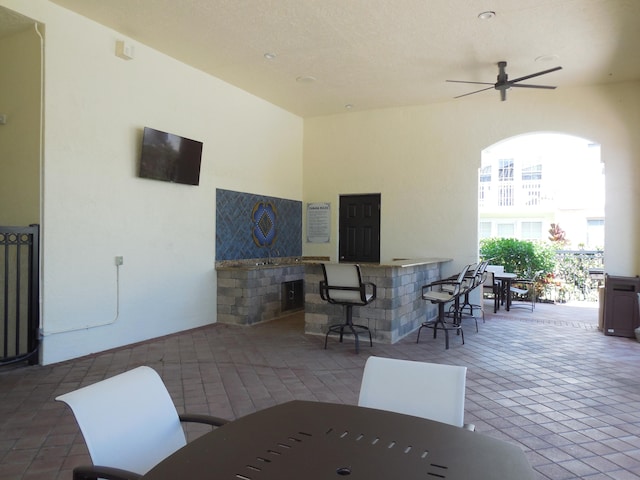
{"points": [[503, 84]]}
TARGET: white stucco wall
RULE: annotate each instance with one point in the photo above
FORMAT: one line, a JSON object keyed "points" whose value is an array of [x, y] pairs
{"points": [[95, 206], [424, 161]]}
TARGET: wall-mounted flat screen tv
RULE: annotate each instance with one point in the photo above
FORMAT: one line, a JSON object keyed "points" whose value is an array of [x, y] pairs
{"points": [[170, 158]]}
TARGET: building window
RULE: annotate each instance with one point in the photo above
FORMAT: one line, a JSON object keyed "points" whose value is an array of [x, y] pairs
{"points": [[505, 171], [595, 233], [531, 185], [533, 172], [484, 230], [485, 174], [505, 177], [531, 231], [506, 230]]}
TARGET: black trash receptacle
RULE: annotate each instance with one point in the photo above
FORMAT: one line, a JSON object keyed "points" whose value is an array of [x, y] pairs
{"points": [[621, 316]]}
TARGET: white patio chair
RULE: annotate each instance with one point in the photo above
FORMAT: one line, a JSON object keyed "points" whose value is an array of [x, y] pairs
{"points": [[129, 424], [428, 390]]}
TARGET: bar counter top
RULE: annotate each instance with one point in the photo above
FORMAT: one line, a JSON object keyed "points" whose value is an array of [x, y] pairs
{"points": [[260, 263], [407, 262]]}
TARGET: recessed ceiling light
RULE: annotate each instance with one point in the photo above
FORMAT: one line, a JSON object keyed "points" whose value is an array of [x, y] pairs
{"points": [[306, 79], [547, 58], [486, 15], [269, 56], [348, 106]]}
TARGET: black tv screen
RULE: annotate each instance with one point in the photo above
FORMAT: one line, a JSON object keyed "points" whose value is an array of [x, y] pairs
{"points": [[170, 158]]}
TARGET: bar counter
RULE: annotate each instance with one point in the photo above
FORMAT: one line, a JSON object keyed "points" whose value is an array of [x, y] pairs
{"points": [[398, 309]]}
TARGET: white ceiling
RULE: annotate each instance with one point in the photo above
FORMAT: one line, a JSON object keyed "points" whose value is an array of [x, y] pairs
{"points": [[382, 53]]}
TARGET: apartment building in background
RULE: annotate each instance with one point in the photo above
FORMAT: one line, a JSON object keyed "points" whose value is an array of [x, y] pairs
{"points": [[529, 182]]}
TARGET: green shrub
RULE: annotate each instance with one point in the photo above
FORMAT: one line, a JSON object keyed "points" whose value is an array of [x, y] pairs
{"points": [[572, 273], [522, 257]]}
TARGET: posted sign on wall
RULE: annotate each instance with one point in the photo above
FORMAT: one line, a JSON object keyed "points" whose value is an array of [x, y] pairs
{"points": [[318, 222]]}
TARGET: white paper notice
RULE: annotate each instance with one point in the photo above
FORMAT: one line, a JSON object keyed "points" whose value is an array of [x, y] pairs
{"points": [[318, 222]]}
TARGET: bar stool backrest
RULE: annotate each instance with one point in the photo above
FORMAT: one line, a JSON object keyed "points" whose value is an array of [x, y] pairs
{"points": [[344, 284]]}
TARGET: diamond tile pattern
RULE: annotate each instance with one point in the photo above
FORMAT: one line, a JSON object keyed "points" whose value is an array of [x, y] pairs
{"points": [[235, 226], [546, 380]]}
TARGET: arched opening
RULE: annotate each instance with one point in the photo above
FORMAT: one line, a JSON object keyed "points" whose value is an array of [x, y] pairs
{"points": [[547, 187]]}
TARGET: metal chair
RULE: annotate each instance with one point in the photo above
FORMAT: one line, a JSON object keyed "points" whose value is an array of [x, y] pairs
{"points": [[473, 279], [491, 287], [343, 285], [129, 424], [442, 292], [523, 292], [427, 390]]}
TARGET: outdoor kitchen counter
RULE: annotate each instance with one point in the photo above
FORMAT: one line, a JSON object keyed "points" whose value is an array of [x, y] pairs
{"points": [[398, 309]]}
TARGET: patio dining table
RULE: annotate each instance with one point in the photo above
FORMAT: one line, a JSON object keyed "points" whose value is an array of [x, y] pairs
{"points": [[505, 279], [317, 440]]}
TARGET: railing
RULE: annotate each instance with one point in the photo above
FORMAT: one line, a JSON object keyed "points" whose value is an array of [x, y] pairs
{"points": [[516, 194], [578, 275], [19, 294]]}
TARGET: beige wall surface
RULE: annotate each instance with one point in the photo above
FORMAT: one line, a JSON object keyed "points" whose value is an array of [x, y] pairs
{"points": [[96, 207], [424, 161], [20, 136]]}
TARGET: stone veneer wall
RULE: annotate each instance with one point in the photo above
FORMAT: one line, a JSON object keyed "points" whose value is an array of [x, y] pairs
{"points": [[249, 295], [397, 311]]}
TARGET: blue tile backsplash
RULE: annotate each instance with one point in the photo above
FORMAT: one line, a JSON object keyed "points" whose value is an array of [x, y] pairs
{"points": [[236, 226]]}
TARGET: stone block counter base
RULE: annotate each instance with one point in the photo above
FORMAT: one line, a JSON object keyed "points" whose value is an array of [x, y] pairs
{"points": [[250, 294], [398, 309]]}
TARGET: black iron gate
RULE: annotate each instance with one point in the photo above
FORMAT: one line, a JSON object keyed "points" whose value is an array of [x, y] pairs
{"points": [[19, 294]]}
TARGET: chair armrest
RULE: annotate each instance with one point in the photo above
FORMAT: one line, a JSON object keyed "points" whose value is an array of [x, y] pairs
{"points": [[323, 290], [440, 282], [445, 281], [95, 472], [361, 289], [373, 287], [206, 419]]}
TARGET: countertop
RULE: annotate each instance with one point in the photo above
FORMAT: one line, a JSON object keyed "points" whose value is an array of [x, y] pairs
{"points": [[410, 262], [255, 264]]}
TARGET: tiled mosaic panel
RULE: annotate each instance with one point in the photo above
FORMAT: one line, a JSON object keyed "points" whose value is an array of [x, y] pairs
{"points": [[234, 226]]}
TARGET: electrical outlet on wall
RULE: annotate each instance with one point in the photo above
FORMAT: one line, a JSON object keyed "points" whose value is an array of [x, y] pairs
{"points": [[119, 260]]}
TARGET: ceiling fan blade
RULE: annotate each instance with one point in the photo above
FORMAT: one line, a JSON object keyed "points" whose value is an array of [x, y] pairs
{"points": [[524, 85], [463, 81], [535, 75], [503, 94], [477, 91]]}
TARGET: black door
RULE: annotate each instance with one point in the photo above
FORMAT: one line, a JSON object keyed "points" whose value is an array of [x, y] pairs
{"points": [[359, 234]]}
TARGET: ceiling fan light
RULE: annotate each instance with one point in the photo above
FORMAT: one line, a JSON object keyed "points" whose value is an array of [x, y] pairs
{"points": [[486, 15]]}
